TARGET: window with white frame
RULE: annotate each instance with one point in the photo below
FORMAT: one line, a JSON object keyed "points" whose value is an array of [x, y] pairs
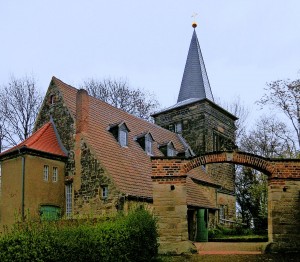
{"points": [[148, 144], [222, 212], [69, 200], [46, 172], [178, 128], [171, 150], [55, 174], [104, 191], [123, 136]]}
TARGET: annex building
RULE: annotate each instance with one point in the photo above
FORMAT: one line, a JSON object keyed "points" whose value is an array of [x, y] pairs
{"points": [[87, 157]]}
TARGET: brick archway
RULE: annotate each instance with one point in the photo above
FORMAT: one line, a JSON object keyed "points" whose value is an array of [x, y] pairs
{"points": [[283, 194]]}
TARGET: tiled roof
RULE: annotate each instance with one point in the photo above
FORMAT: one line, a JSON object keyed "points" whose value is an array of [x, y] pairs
{"points": [[130, 167], [199, 174], [195, 83], [44, 140], [196, 196]]}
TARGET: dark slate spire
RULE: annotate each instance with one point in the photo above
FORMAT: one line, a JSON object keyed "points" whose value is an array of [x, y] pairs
{"points": [[195, 83]]}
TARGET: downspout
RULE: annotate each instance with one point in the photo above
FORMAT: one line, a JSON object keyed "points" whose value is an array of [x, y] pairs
{"points": [[23, 188]]}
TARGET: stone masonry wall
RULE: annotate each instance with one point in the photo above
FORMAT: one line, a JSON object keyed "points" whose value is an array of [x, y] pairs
{"points": [[60, 114], [202, 121], [88, 199]]}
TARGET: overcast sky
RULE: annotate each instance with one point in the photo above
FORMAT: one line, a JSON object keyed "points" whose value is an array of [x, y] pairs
{"points": [[245, 43]]}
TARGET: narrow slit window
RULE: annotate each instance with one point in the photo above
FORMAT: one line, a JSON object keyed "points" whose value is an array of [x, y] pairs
{"points": [[104, 191], [68, 200], [46, 172]]}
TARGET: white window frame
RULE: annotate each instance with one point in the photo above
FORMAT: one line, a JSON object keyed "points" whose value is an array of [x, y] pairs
{"points": [[55, 174], [104, 191], [222, 212], [171, 150], [69, 200], [178, 127], [46, 173], [148, 144], [123, 136]]}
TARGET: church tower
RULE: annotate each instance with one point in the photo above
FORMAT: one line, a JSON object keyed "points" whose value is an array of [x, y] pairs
{"points": [[206, 126]]}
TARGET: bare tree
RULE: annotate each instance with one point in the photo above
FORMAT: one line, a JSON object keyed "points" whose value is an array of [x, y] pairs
{"points": [[285, 95], [20, 101], [238, 109], [120, 95], [269, 138]]}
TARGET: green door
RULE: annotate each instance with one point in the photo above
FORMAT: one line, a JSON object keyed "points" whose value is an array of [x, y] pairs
{"points": [[50, 213], [202, 228]]}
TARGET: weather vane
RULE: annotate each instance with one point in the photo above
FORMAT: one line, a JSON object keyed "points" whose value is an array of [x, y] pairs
{"points": [[194, 24]]}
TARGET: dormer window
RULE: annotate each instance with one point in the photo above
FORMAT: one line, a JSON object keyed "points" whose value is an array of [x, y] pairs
{"points": [[120, 132], [148, 144], [145, 140], [168, 149], [123, 136]]}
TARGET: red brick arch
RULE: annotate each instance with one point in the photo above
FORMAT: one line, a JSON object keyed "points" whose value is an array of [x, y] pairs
{"points": [[257, 162]]}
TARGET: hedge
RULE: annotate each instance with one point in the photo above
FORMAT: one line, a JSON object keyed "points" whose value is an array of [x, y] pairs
{"points": [[126, 238]]}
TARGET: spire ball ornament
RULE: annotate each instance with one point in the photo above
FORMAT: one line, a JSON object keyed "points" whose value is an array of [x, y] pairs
{"points": [[194, 24]]}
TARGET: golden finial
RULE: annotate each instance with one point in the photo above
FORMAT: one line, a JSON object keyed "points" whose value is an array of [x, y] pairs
{"points": [[194, 24]]}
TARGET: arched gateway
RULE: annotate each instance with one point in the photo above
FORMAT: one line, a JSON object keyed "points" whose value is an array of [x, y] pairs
{"points": [[169, 177]]}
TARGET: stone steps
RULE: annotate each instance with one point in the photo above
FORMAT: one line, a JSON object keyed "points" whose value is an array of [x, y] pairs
{"points": [[207, 248]]}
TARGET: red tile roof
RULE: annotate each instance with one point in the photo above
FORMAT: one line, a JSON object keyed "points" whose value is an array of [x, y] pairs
{"points": [[129, 167], [196, 196], [199, 174], [43, 140]]}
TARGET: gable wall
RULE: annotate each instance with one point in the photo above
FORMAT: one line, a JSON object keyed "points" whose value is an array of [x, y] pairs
{"points": [[88, 183], [60, 114]]}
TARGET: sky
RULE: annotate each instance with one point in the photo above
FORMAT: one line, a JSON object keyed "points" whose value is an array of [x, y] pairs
{"points": [[244, 43]]}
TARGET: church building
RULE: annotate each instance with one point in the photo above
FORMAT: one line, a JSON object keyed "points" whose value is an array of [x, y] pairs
{"points": [[88, 158]]}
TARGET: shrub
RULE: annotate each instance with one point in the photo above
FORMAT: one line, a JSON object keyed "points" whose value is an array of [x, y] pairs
{"points": [[125, 238]]}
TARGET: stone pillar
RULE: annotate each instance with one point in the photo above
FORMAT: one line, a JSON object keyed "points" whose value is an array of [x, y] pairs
{"points": [[170, 206], [283, 215]]}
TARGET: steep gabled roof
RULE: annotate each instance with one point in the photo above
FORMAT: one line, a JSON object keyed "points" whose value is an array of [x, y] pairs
{"points": [[44, 140], [195, 83], [130, 167]]}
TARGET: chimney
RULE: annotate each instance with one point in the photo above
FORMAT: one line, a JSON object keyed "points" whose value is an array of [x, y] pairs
{"points": [[82, 111]]}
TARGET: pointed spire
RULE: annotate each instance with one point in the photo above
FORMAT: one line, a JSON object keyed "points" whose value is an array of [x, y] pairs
{"points": [[195, 83]]}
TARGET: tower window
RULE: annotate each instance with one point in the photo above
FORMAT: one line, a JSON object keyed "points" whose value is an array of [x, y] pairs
{"points": [[178, 128]]}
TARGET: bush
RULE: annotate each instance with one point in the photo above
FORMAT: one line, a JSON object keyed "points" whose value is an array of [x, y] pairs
{"points": [[126, 238], [221, 232]]}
